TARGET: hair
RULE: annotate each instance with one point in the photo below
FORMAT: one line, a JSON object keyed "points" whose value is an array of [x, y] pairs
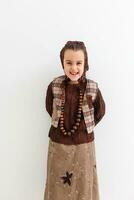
{"points": [[75, 45]]}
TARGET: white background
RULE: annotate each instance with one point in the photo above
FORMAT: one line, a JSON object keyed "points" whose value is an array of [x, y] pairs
{"points": [[32, 34]]}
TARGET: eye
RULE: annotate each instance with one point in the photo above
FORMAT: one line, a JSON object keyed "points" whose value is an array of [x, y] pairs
{"points": [[68, 63], [79, 63]]}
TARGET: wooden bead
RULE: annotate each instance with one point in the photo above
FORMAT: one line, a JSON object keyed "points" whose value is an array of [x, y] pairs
{"points": [[75, 127], [61, 126], [69, 133], [63, 131], [72, 131], [78, 116]]}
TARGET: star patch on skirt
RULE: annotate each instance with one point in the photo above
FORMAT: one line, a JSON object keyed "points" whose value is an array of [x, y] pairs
{"points": [[66, 179]]}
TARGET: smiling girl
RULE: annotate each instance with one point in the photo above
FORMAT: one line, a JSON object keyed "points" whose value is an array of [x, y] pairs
{"points": [[76, 105]]}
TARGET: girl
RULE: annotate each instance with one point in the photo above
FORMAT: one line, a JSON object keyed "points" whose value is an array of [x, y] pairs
{"points": [[75, 105]]}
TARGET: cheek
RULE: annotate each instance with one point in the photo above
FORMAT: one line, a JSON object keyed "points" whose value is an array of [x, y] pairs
{"points": [[66, 69], [81, 69]]}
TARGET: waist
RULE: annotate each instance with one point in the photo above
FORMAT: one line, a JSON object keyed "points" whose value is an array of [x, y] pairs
{"points": [[79, 137]]}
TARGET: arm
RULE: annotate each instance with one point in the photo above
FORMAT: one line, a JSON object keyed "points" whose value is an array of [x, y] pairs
{"points": [[49, 99], [99, 107]]}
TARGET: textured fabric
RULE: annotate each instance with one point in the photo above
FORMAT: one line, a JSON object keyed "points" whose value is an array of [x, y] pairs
{"points": [[59, 93], [70, 110], [71, 172]]}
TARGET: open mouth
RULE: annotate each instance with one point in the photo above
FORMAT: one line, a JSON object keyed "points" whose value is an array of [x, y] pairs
{"points": [[72, 73]]}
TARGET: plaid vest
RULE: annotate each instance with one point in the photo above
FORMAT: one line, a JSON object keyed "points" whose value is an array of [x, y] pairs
{"points": [[59, 93]]}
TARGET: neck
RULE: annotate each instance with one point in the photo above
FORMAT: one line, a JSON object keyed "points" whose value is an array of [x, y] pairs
{"points": [[73, 82]]}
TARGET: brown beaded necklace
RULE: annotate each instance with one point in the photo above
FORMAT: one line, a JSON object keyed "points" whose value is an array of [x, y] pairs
{"points": [[78, 116]]}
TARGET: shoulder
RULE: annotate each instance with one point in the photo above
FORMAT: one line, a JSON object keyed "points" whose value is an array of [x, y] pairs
{"points": [[59, 79], [92, 84], [57, 83]]}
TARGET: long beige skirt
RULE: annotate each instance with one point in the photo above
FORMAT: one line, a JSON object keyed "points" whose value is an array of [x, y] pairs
{"points": [[71, 172]]}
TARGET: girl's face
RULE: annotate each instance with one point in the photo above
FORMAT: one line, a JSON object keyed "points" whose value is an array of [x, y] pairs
{"points": [[73, 64]]}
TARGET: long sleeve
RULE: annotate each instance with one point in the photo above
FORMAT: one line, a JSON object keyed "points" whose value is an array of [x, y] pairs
{"points": [[99, 107], [49, 99]]}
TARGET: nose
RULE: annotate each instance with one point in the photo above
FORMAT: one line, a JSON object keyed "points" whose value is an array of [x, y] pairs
{"points": [[74, 67]]}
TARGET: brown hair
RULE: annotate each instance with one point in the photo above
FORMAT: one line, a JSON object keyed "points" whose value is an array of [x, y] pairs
{"points": [[75, 45]]}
